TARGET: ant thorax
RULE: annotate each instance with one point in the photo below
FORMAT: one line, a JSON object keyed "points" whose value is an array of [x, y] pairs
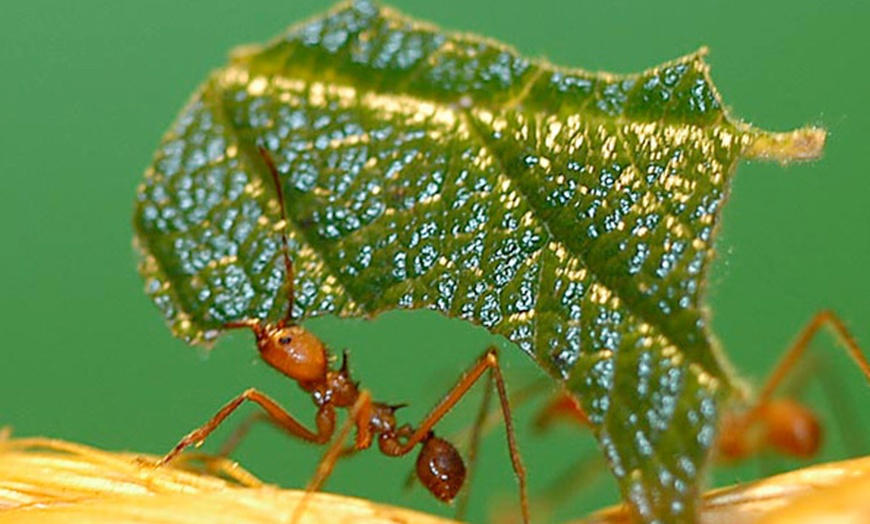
{"points": [[336, 389]]}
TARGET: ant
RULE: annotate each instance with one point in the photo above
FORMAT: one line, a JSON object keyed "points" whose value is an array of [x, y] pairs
{"points": [[780, 424], [303, 357]]}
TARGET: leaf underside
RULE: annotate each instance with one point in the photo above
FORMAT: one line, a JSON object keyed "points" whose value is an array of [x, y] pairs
{"points": [[572, 213]]}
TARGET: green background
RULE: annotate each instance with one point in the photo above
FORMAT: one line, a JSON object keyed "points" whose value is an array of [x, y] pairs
{"points": [[88, 87]]}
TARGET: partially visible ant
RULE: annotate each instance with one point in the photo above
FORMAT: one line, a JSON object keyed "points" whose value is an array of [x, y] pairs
{"points": [[304, 358], [778, 424], [783, 425]]}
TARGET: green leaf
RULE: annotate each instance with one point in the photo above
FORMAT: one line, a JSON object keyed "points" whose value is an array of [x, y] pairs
{"points": [[572, 213]]}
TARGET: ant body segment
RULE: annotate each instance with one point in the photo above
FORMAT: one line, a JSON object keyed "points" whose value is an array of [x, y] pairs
{"points": [[303, 357]]}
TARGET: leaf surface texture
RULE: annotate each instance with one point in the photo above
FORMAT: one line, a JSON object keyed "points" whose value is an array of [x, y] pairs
{"points": [[572, 213]]}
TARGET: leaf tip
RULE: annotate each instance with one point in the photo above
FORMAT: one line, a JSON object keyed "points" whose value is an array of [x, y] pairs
{"points": [[794, 146]]}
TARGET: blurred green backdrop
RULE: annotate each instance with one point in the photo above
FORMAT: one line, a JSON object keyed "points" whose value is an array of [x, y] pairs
{"points": [[88, 87]]}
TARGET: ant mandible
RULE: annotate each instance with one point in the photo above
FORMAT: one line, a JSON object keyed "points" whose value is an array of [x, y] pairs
{"points": [[780, 424], [303, 357]]}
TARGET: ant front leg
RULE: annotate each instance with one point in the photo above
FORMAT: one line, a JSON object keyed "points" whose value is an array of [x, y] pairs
{"points": [[439, 465], [277, 415]]}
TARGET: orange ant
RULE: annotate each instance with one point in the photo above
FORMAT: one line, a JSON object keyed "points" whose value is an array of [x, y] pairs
{"points": [[304, 358], [780, 424]]}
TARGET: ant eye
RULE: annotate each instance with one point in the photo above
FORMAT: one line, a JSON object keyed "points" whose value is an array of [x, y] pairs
{"points": [[285, 340]]}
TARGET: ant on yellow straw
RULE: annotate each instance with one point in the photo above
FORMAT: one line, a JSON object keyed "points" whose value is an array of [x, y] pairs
{"points": [[301, 356]]}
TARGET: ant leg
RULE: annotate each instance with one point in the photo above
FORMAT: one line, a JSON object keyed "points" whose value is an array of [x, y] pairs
{"points": [[519, 397], [561, 405], [798, 348], [240, 433], [584, 473], [476, 432], [218, 464], [845, 412], [325, 423], [359, 415], [487, 362]]}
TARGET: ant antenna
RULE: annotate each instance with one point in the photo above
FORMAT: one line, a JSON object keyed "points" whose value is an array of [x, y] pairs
{"points": [[288, 264]]}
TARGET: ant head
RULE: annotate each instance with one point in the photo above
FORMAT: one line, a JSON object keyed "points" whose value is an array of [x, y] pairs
{"points": [[440, 468], [294, 351], [792, 428]]}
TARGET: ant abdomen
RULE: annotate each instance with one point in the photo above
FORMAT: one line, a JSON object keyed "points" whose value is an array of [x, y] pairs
{"points": [[440, 468]]}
